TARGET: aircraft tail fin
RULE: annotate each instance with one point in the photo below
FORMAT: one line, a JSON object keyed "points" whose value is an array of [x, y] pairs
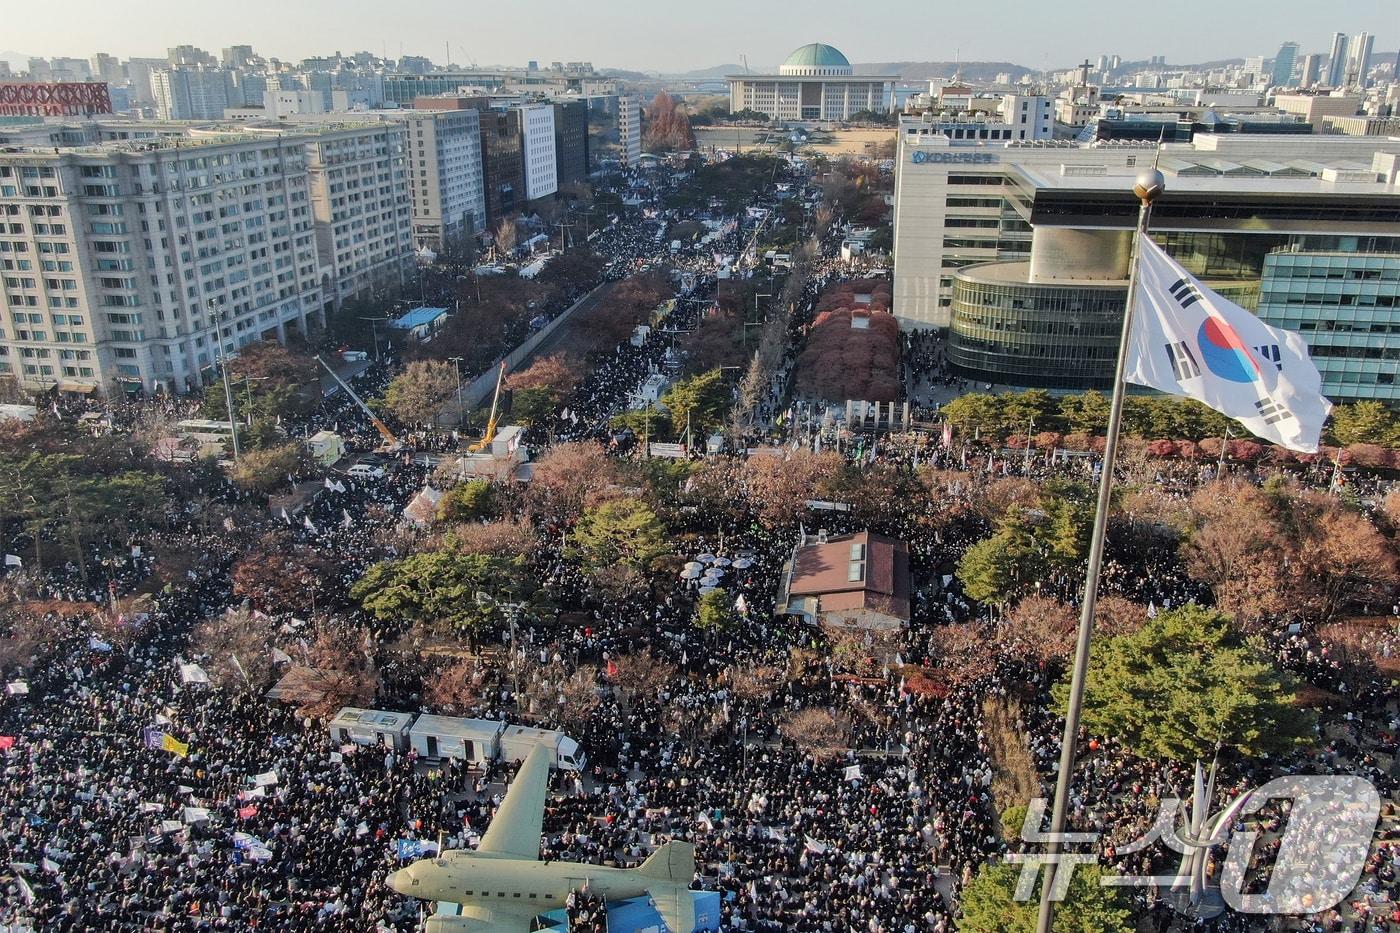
{"points": [[673, 862], [676, 906]]}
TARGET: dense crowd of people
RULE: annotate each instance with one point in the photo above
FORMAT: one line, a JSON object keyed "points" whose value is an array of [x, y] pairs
{"points": [[264, 821]]}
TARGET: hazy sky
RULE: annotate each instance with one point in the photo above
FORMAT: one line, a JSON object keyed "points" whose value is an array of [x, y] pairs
{"points": [[674, 36]]}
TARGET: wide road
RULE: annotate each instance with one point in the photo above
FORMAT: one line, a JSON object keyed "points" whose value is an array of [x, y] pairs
{"points": [[573, 335]]}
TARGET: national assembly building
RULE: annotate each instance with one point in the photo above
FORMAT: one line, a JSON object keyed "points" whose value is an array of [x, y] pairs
{"points": [[815, 83]]}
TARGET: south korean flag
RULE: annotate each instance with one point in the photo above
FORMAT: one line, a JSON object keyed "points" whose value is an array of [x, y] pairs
{"points": [[1187, 340]]}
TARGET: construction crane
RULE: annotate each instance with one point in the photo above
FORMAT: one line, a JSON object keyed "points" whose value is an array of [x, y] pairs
{"points": [[490, 434], [391, 443]]}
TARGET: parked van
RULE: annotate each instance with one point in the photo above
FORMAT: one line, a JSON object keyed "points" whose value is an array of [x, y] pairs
{"points": [[372, 727], [478, 741]]}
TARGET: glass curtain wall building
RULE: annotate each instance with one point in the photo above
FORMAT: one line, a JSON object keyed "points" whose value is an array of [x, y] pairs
{"points": [[1311, 246]]}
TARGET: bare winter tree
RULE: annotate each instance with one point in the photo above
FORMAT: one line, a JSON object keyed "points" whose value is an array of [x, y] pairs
{"points": [[821, 733], [457, 687], [556, 696], [755, 683], [642, 676], [505, 236], [244, 634]]}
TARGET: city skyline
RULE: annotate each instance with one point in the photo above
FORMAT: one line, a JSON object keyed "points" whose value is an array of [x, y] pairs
{"points": [[608, 36]]}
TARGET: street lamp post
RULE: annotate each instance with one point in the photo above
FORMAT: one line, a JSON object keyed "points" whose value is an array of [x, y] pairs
{"points": [[461, 409], [512, 612], [374, 333], [228, 399]]}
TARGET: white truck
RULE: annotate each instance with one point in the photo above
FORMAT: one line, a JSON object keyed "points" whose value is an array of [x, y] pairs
{"points": [[478, 741]]}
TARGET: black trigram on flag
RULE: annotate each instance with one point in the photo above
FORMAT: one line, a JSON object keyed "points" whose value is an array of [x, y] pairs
{"points": [[1185, 293], [1270, 352], [1184, 365], [1272, 412]]}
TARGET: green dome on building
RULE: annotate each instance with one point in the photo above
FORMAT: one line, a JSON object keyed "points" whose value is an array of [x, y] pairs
{"points": [[816, 59]]}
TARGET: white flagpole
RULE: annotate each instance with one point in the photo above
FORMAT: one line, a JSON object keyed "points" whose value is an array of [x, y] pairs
{"points": [[1148, 186]]}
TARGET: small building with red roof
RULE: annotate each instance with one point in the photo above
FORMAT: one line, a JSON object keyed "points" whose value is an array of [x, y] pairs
{"points": [[847, 581]]}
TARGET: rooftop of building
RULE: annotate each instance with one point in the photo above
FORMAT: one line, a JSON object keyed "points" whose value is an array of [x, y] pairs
{"points": [[153, 143], [1019, 273], [816, 55], [847, 573], [418, 317], [1296, 177]]}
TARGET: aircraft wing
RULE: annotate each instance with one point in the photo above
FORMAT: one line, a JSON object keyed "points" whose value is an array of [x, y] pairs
{"points": [[515, 829], [477, 919]]}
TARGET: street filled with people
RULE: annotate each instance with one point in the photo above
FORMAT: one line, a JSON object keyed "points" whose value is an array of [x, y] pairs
{"points": [[834, 776]]}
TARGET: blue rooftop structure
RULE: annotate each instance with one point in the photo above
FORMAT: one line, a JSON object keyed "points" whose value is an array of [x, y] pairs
{"points": [[418, 317]]}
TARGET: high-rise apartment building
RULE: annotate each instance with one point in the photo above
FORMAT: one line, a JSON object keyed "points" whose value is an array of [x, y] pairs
{"points": [[130, 266], [629, 130], [1337, 60], [1284, 63], [138, 74], [108, 68], [192, 93], [190, 56], [251, 88], [360, 204], [1358, 59], [238, 56]]}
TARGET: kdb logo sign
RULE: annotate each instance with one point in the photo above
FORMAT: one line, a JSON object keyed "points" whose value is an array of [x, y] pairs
{"points": [[961, 158], [1331, 820]]}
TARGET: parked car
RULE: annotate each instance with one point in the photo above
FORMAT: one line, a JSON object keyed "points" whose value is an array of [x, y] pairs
{"points": [[366, 471]]}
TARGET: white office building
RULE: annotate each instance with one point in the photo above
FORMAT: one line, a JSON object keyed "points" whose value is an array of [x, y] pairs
{"points": [[537, 150], [963, 203], [192, 93], [629, 130], [130, 266], [444, 175], [360, 201], [285, 103], [1028, 116]]}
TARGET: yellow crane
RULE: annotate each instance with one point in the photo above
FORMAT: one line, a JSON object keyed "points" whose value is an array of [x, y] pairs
{"points": [[490, 434], [391, 443]]}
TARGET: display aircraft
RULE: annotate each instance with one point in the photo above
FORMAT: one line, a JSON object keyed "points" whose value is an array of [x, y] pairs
{"points": [[502, 885]]}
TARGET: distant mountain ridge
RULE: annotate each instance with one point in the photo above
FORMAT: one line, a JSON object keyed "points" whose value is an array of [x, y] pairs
{"points": [[923, 71], [915, 72], [907, 71]]}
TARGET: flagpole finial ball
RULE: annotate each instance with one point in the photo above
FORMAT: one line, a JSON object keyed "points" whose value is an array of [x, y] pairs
{"points": [[1149, 185]]}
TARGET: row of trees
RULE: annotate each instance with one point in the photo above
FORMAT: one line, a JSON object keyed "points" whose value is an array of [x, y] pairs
{"points": [[1277, 552], [733, 183], [65, 492], [1169, 417]]}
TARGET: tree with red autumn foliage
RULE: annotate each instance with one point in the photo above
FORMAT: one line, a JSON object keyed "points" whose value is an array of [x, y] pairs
{"points": [[668, 126]]}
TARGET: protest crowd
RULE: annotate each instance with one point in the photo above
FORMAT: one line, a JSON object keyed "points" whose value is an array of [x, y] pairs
{"points": [[142, 791]]}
